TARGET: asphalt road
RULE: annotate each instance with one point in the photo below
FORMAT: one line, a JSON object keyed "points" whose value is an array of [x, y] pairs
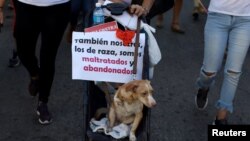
{"points": [[175, 118]]}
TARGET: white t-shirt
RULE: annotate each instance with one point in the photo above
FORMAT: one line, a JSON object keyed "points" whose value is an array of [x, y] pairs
{"points": [[230, 7], [43, 2]]}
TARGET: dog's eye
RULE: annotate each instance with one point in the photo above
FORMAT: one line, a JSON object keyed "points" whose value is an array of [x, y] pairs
{"points": [[144, 94]]}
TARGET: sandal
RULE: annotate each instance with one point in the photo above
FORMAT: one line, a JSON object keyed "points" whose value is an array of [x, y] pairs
{"points": [[175, 27]]}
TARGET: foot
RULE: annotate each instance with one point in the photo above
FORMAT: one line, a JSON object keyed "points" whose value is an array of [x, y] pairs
{"points": [[14, 62], [159, 21], [159, 24], [175, 27], [43, 113], [201, 99], [195, 13]]}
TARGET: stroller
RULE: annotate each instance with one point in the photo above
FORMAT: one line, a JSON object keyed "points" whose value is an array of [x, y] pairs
{"points": [[95, 98]]}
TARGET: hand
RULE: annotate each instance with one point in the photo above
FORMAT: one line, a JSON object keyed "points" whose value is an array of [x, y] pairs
{"points": [[138, 10]]}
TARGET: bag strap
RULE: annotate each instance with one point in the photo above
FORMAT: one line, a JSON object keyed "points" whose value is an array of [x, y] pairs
{"points": [[137, 40]]}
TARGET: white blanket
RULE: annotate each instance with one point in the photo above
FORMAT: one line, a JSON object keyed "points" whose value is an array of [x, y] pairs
{"points": [[118, 132], [130, 21]]}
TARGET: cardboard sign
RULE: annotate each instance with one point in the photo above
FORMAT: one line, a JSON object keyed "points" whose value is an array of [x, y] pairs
{"points": [[101, 56], [109, 26]]}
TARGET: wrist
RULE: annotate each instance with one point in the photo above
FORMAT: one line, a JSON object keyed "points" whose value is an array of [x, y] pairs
{"points": [[146, 10]]}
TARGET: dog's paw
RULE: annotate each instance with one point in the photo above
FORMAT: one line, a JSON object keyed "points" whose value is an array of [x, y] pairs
{"points": [[132, 137]]}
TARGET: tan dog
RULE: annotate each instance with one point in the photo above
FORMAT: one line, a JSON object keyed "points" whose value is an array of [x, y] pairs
{"points": [[128, 104]]}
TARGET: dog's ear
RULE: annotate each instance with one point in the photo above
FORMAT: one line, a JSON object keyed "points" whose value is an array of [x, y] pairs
{"points": [[131, 87]]}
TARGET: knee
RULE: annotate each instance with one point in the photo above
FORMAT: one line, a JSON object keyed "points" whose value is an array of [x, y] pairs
{"points": [[209, 74], [234, 74]]}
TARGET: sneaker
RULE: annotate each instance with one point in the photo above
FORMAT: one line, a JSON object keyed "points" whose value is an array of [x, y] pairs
{"points": [[43, 113], [14, 62], [201, 99], [34, 87], [220, 122], [175, 27]]}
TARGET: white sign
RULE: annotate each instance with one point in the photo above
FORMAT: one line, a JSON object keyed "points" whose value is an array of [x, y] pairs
{"points": [[101, 56]]}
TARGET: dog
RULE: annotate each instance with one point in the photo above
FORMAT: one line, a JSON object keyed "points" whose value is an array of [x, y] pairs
{"points": [[128, 103]]}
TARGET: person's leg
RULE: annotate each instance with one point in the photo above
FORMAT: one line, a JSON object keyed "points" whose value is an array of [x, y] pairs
{"points": [[26, 34], [196, 10], [202, 9], [216, 35], [238, 45], [159, 20], [14, 60], [175, 25], [55, 21], [196, 3]]}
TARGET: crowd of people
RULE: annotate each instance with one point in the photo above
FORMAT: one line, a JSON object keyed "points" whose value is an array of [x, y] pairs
{"points": [[227, 29]]}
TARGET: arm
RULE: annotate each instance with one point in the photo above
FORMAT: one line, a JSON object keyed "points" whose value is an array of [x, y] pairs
{"points": [[1, 11], [147, 4], [143, 9]]}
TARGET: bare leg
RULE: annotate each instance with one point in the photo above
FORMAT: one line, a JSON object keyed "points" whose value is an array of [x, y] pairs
{"points": [[159, 21], [198, 8], [176, 17]]}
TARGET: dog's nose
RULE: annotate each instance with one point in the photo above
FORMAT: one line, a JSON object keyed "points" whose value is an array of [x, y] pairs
{"points": [[153, 104], [152, 101]]}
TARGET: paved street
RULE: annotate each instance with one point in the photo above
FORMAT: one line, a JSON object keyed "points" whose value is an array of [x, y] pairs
{"points": [[175, 118]]}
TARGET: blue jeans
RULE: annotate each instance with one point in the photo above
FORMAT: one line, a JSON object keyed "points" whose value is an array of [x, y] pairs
{"points": [[221, 32]]}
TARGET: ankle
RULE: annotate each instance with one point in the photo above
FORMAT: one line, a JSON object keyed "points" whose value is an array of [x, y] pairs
{"points": [[221, 114]]}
